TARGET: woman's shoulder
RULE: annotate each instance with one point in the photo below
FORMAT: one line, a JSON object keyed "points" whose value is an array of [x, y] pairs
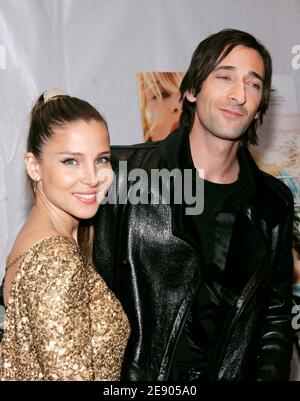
{"points": [[30, 238], [53, 251], [43, 242], [55, 245], [51, 262], [54, 262], [54, 248]]}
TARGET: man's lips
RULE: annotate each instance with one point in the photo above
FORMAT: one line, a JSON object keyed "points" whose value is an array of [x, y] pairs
{"points": [[231, 113]]}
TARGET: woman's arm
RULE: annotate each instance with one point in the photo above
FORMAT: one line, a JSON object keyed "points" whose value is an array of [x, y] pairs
{"points": [[59, 316]]}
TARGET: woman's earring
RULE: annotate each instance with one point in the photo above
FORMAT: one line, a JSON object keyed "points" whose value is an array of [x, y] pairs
{"points": [[35, 186]]}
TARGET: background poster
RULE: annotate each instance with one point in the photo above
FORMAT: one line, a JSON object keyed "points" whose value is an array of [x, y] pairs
{"points": [[160, 104]]}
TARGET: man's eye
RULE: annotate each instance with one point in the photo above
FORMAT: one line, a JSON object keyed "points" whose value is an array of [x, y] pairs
{"points": [[70, 162], [225, 77], [254, 85]]}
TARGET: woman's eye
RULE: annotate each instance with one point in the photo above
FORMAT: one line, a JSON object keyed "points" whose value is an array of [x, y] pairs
{"points": [[165, 94], [70, 162], [103, 160]]}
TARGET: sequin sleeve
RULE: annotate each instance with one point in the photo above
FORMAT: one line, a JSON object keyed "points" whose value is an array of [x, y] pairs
{"points": [[59, 315], [1, 312]]}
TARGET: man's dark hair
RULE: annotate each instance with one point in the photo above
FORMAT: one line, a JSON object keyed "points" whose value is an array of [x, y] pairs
{"points": [[210, 52]]}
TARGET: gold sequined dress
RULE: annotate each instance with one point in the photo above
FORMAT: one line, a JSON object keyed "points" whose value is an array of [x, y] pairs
{"points": [[61, 321]]}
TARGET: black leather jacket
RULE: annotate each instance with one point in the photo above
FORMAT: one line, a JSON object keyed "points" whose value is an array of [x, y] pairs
{"points": [[151, 262]]}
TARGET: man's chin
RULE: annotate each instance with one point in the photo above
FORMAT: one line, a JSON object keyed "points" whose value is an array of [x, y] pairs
{"points": [[231, 137]]}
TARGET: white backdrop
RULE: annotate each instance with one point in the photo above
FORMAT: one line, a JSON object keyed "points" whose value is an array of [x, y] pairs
{"points": [[93, 49]]}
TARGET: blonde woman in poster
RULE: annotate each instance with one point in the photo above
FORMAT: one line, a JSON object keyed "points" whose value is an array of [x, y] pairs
{"points": [[159, 103]]}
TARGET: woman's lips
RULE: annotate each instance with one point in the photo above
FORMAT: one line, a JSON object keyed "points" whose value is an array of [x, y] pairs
{"points": [[87, 198], [174, 126]]}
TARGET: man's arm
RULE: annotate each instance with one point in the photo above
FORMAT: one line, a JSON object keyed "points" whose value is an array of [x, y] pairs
{"points": [[277, 337]]}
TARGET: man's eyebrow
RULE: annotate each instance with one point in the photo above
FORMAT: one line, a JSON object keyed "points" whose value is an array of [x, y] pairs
{"points": [[256, 75], [225, 67], [231, 68]]}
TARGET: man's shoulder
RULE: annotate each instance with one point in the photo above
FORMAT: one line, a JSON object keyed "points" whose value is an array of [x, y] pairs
{"points": [[275, 199], [277, 185], [272, 192]]}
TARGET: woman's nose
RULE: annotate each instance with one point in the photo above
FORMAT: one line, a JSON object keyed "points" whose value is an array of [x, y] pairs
{"points": [[176, 106], [90, 176]]}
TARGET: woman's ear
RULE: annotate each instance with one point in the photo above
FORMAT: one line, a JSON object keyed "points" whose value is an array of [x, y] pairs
{"points": [[32, 166]]}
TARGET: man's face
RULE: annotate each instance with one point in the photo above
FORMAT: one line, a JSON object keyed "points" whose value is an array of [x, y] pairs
{"points": [[230, 96]]}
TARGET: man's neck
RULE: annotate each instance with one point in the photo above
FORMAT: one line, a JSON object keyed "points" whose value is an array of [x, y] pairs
{"points": [[216, 157]]}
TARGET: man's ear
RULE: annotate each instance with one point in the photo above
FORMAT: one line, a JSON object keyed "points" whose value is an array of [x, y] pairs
{"points": [[190, 96], [32, 166]]}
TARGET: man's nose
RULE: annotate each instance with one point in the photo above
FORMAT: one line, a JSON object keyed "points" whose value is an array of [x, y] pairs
{"points": [[237, 93]]}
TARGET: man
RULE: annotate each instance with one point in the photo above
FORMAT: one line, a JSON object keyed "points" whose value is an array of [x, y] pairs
{"points": [[208, 295]]}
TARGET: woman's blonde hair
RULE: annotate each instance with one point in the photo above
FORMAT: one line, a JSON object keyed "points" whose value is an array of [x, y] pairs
{"points": [[157, 82]]}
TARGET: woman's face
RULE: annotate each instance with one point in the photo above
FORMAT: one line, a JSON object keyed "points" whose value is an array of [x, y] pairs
{"points": [[162, 113], [75, 170]]}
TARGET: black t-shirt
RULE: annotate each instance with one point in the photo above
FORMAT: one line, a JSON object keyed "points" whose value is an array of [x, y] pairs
{"points": [[217, 198]]}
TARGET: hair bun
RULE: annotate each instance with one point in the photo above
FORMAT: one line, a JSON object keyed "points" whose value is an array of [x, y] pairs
{"points": [[52, 93]]}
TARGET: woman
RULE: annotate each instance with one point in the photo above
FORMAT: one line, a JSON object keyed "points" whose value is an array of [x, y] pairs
{"points": [[159, 103], [61, 320]]}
